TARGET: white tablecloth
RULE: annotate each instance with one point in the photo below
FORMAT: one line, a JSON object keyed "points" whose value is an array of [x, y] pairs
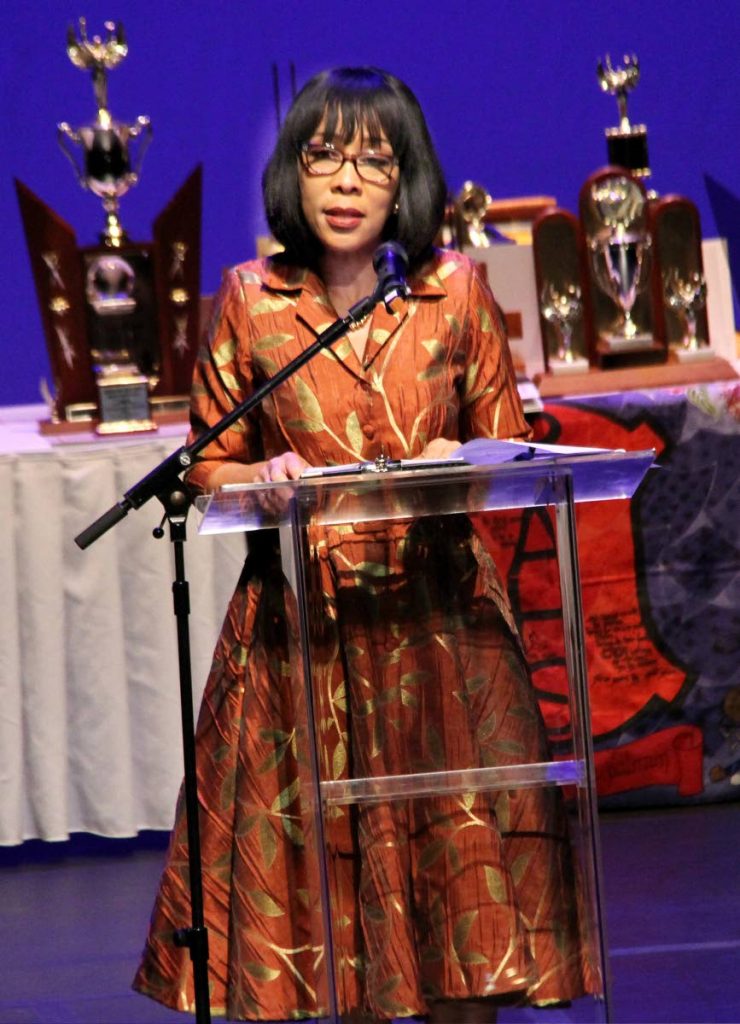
{"points": [[89, 684]]}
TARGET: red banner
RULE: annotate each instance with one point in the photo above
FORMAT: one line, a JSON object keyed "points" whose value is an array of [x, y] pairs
{"points": [[671, 757]]}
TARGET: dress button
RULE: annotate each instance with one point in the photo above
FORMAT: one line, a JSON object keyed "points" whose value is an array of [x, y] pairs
{"points": [[369, 431]]}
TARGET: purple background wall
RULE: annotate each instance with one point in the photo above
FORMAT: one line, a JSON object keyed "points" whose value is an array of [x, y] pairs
{"points": [[509, 90]]}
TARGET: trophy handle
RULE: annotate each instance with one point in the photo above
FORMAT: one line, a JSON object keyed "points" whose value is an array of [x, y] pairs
{"points": [[66, 135], [141, 130]]}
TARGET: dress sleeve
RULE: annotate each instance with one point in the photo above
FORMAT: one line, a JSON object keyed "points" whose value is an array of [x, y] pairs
{"points": [[222, 378], [490, 404]]}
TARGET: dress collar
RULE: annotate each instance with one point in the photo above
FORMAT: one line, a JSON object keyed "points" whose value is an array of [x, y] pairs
{"points": [[313, 306], [427, 282]]}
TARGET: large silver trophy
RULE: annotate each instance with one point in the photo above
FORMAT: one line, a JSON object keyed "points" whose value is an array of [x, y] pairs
{"points": [[620, 252], [626, 143], [101, 152]]}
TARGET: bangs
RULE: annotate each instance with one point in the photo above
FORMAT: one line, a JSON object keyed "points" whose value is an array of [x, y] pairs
{"points": [[347, 116], [352, 101]]}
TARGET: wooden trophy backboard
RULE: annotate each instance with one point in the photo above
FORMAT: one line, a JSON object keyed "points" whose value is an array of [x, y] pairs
{"points": [[139, 301]]}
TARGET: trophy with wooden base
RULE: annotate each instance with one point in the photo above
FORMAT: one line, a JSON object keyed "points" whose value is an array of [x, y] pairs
{"points": [[121, 318]]}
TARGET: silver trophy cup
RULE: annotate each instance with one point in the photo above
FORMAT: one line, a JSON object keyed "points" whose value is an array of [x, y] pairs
{"points": [[620, 252]]}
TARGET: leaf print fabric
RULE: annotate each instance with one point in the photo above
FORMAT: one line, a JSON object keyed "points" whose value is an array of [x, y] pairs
{"points": [[416, 667]]}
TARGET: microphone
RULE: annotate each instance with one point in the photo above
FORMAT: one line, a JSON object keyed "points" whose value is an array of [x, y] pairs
{"points": [[389, 263]]}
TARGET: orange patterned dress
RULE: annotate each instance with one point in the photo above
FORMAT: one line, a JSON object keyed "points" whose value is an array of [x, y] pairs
{"points": [[416, 667]]}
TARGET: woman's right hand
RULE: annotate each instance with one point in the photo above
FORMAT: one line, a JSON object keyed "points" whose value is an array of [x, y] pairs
{"points": [[287, 466], [282, 468]]}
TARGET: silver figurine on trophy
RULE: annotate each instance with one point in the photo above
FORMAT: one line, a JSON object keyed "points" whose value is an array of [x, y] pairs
{"points": [[687, 297], [563, 309], [101, 152], [620, 251], [627, 143]]}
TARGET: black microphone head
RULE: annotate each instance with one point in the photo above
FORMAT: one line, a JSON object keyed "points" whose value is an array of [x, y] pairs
{"points": [[390, 254], [390, 262]]}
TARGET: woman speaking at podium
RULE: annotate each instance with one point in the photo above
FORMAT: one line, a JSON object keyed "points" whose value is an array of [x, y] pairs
{"points": [[442, 907]]}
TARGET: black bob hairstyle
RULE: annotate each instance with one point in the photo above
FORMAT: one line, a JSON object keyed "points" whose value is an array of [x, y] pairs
{"points": [[367, 99]]}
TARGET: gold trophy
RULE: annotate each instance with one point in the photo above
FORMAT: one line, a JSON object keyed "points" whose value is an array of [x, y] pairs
{"points": [[101, 156], [563, 309], [687, 297], [471, 206], [107, 169], [121, 318], [627, 143]]}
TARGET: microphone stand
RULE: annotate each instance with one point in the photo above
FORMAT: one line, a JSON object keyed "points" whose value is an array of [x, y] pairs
{"points": [[164, 483]]}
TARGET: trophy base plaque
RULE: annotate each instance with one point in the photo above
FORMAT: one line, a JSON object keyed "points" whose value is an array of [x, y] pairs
{"points": [[686, 354], [623, 343], [112, 427], [84, 418], [617, 351], [123, 401], [578, 364]]}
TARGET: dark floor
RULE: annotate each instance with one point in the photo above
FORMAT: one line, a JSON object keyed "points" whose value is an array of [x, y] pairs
{"points": [[74, 915]]}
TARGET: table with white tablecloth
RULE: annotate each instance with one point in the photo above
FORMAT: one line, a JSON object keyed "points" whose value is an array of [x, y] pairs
{"points": [[89, 702], [89, 683]]}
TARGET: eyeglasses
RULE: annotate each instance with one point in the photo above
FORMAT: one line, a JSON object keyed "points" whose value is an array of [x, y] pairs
{"points": [[323, 159]]}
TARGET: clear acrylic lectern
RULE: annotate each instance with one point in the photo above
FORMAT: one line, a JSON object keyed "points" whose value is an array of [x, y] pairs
{"points": [[428, 509]]}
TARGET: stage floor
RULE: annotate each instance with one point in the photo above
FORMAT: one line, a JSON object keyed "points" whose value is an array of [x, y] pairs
{"points": [[74, 916]]}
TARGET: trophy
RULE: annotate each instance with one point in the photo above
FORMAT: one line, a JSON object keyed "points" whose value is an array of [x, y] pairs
{"points": [[121, 318], [563, 309], [687, 297], [627, 143], [619, 246], [471, 206], [558, 251], [115, 285], [679, 284], [102, 159], [622, 283]]}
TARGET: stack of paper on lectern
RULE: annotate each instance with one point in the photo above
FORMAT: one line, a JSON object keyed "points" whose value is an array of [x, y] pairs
{"points": [[481, 451]]}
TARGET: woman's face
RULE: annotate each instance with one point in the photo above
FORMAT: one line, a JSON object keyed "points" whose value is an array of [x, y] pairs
{"points": [[345, 212]]}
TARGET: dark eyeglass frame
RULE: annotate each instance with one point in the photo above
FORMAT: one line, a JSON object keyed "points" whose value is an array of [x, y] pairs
{"points": [[327, 147]]}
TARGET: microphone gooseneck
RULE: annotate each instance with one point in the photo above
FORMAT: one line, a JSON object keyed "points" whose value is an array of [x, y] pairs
{"points": [[390, 263]]}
